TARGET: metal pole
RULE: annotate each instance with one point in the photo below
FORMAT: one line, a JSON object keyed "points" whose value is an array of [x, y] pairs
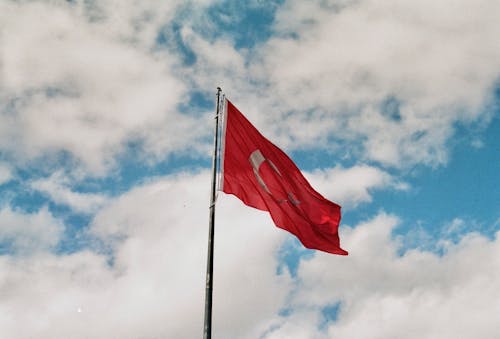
{"points": [[207, 329]]}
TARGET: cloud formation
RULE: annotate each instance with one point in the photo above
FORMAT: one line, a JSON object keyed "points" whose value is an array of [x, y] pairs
{"points": [[416, 295], [83, 79], [28, 233], [396, 75], [58, 188], [5, 174], [352, 186], [390, 81], [153, 286]]}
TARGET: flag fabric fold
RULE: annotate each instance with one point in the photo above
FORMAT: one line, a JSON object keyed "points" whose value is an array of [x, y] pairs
{"points": [[264, 177]]}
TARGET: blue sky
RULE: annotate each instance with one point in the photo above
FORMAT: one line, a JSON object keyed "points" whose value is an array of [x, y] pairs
{"points": [[106, 117]]}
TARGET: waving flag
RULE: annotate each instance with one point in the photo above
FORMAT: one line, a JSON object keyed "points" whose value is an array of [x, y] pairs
{"points": [[264, 177]]}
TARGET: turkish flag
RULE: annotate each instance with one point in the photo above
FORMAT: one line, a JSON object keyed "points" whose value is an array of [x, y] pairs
{"points": [[264, 177]]}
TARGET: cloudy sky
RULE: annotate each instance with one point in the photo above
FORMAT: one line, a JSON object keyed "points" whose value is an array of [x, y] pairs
{"points": [[391, 109]]}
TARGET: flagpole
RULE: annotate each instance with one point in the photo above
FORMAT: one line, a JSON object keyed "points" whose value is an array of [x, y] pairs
{"points": [[207, 328]]}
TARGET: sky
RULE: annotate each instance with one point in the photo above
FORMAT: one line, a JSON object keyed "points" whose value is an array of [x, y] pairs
{"points": [[390, 108]]}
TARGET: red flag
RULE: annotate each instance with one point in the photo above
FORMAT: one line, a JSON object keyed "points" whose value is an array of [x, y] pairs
{"points": [[264, 177]]}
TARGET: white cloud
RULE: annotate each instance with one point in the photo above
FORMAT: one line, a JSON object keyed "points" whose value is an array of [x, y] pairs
{"points": [[417, 295], [156, 286], [57, 187], [439, 60], [388, 80], [334, 65], [85, 80], [45, 289], [171, 224], [5, 174], [352, 186], [158, 233], [26, 233]]}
